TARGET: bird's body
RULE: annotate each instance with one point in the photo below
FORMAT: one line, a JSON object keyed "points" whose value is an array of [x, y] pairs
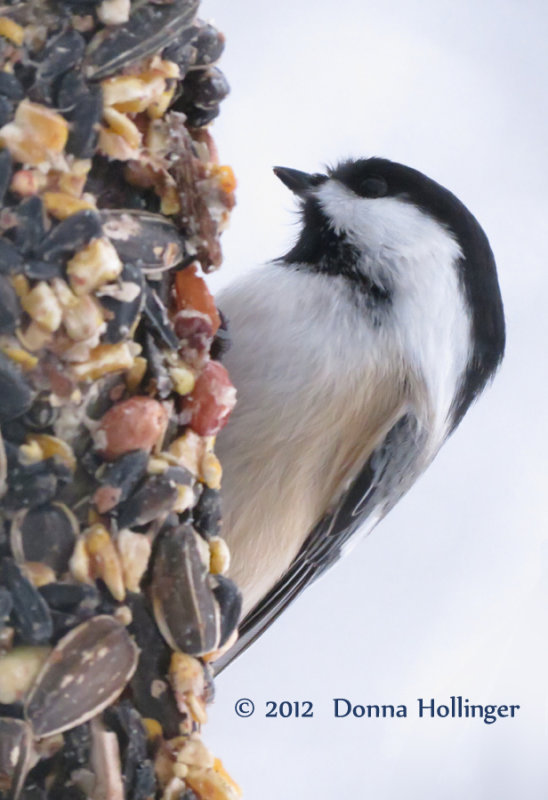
{"points": [[354, 357]]}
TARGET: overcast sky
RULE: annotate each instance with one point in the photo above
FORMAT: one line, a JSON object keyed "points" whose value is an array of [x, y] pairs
{"points": [[448, 596]]}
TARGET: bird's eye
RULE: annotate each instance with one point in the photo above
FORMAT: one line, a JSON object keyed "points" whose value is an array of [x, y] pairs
{"points": [[373, 187]]}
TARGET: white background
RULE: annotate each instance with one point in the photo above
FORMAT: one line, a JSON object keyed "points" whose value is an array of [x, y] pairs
{"points": [[449, 595]]}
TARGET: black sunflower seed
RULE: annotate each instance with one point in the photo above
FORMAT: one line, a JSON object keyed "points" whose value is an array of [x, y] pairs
{"points": [[209, 44], [182, 51], [15, 754], [185, 607], [10, 308], [124, 473], [61, 53], [137, 770], [30, 614], [149, 240], [153, 666], [229, 598], [16, 395], [6, 113], [149, 29], [85, 672], [32, 485], [6, 604], [11, 260], [205, 88], [41, 415], [197, 117], [10, 86], [156, 496], [122, 314], [46, 534], [82, 105], [207, 513], [31, 227], [70, 596], [70, 235], [156, 319]]}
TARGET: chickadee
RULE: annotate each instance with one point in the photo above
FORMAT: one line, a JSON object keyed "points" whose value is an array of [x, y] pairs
{"points": [[354, 356]]}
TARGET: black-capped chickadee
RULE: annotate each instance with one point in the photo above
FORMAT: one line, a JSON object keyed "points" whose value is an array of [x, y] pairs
{"points": [[354, 357]]}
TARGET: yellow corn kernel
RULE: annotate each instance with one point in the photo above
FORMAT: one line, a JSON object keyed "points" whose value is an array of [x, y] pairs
{"points": [[80, 563], [35, 134], [103, 359], [170, 203], [34, 337], [158, 107], [21, 285], [39, 574], [92, 266], [113, 12], [212, 784], [53, 446], [134, 553], [105, 563], [136, 374], [185, 499], [153, 728], [225, 176], [123, 126], [12, 31], [20, 356], [219, 556], [43, 307], [130, 94], [188, 450], [30, 453], [18, 671], [62, 205], [220, 770], [211, 470], [83, 319], [197, 708], [183, 379]]}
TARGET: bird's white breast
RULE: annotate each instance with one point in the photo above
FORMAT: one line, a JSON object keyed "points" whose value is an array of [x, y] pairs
{"points": [[318, 389]]}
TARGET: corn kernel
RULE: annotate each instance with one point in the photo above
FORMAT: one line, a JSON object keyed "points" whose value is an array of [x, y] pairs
{"points": [[42, 305], [225, 176], [123, 126], [114, 12], [136, 374], [83, 319], [35, 134], [62, 205], [183, 379], [134, 553], [20, 356], [53, 446], [12, 31], [21, 285], [219, 556], [170, 203], [103, 359], [34, 337], [105, 562], [211, 471], [80, 563], [153, 728], [39, 574], [92, 266], [185, 499]]}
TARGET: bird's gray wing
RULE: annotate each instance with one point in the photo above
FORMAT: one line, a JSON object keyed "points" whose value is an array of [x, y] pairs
{"points": [[385, 477]]}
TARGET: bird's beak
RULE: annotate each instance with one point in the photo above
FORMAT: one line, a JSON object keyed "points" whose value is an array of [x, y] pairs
{"points": [[299, 182]]}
